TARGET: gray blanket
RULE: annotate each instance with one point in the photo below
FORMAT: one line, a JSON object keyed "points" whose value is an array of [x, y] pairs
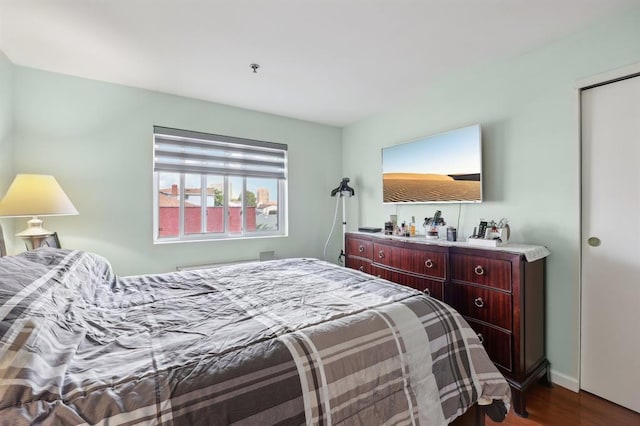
{"points": [[290, 341]]}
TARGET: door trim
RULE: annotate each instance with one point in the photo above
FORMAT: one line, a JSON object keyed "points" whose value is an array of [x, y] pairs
{"points": [[607, 77]]}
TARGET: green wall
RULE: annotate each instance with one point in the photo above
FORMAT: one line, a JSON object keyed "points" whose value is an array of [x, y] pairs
{"points": [[96, 139], [6, 138], [528, 109]]}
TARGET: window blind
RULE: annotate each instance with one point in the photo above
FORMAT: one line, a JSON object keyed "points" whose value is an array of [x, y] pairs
{"points": [[184, 151]]}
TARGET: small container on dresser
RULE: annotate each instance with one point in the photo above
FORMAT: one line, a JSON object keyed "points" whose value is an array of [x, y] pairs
{"points": [[499, 293]]}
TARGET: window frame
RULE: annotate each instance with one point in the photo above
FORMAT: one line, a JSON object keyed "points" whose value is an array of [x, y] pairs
{"points": [[282, 210]]}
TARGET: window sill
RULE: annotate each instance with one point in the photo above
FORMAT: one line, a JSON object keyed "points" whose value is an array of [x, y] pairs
{"points": [[208, 238]]}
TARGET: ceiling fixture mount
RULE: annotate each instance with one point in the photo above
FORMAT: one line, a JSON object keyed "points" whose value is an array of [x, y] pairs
{"points": [[255, 67]]}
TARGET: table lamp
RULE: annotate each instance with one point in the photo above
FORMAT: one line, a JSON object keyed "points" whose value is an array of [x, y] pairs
{"points": [[35, 195]]}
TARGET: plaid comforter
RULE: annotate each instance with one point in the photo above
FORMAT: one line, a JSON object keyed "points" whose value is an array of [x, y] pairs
{"points": [[289, 341]]}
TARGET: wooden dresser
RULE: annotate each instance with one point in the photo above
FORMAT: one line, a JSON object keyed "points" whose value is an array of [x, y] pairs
{"points": [[499, 293]]}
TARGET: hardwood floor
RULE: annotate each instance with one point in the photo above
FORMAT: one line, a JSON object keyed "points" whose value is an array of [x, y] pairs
{"points": [[558, 406]]}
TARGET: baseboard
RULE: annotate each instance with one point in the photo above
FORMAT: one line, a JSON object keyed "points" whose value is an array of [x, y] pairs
{"points": [[565, 381]]}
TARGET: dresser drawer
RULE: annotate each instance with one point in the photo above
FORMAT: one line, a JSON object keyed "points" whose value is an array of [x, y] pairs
{"points": [[359, 264], [359, 247], [423, 262], [493, 307], [481, 270], [497, 343], [429, 287]]}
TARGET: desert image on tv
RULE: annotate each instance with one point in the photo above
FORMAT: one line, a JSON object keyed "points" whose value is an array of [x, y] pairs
{"points": [[421, 187]]}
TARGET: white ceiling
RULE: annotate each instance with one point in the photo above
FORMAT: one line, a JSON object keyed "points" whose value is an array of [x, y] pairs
{"points": [[328, 61]]}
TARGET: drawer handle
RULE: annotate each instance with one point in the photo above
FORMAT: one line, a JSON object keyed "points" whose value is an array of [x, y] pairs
{"points": [[479, 302], [361, 249], [481, 338], [479, 270], [381, 254], [362, 268], [428, 263], [427, 291]]}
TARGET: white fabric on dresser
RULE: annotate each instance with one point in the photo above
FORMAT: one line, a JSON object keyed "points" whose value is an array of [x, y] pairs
{"points": [[531, 252]]}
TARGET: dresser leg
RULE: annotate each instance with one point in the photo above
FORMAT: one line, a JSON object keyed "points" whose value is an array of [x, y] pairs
{"points": [[542, 374], [519, 402]]}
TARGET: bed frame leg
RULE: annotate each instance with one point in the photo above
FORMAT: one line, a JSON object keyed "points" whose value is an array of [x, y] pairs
{"points": [[480, 416], [474, 416]]}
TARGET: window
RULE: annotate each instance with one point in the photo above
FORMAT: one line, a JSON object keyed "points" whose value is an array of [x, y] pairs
{"points": [[215, 187]]}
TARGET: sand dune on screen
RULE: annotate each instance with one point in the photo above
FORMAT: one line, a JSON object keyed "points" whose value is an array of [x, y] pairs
{"points": [[415, 176], [414, 187]]}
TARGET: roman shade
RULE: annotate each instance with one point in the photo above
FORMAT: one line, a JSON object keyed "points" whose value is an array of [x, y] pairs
{"points": [[184, 151]]}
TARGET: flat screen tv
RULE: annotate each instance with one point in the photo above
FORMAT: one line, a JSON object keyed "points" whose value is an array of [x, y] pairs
{"points": [[442, 168]]}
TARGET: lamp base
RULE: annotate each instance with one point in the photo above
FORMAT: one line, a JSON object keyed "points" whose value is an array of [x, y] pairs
{"points": [[34, 229], [34, 242], [35, 234]]}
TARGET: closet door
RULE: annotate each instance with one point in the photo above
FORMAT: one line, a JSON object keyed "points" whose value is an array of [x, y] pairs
{"points": [[610, 314]]}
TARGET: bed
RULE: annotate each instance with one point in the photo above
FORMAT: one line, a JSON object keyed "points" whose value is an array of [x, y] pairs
{"points": [[289, 341]]}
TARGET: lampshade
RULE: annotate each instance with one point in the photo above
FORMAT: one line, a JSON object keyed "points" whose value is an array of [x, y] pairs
{"points": [[35, 195]]}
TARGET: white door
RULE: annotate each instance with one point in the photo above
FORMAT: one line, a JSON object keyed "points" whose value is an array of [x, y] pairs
{"points": [[610, 316]]}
